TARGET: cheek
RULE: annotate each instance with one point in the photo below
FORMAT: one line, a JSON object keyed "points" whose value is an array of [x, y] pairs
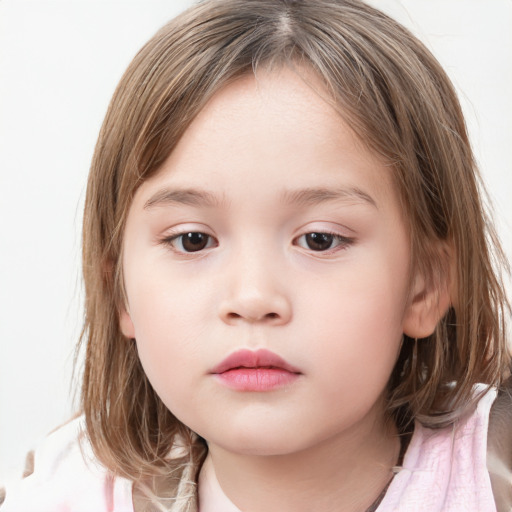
{"points": [[168, 353], [165, 303], [169, 319], [356, 321], [357, 333]]}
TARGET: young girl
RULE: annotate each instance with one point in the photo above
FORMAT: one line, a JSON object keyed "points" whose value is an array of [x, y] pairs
{"points": [[291, 302]]}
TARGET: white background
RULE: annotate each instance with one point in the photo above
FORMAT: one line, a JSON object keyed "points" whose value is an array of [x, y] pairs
{"points": [[59, 64]]}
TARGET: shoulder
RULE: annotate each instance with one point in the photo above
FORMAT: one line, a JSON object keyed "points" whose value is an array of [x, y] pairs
{"points": [[499, 448], [66, 476], [445, 469]]}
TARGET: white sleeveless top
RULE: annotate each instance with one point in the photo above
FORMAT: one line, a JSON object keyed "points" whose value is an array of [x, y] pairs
{"points": [[67, 478], [443, 471]]}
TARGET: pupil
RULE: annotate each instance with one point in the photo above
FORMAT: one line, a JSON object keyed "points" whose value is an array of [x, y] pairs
{"points": [[319, 241], [194, 241]]}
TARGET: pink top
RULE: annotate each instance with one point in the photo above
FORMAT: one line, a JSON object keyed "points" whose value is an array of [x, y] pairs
{"points": [[446, 470], [443, 471]]}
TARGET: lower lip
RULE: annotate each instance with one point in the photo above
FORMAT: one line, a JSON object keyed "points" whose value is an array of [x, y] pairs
{"points": [[257, 379]]}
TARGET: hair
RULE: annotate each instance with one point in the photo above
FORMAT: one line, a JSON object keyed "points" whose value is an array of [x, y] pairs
{"points": [[400, 103]]}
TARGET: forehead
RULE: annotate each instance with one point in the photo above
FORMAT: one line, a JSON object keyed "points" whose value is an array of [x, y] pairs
{"points": [[278, 128]]}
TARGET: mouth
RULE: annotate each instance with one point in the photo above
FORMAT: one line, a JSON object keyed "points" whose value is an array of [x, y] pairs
{"points": [[260, 370]]}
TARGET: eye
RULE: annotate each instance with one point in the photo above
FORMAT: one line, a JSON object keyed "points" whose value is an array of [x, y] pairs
{"points": [[320, 241], [193, 241]]}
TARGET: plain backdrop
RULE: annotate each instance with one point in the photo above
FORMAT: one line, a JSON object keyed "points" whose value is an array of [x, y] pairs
{"points": [[59, 64]]}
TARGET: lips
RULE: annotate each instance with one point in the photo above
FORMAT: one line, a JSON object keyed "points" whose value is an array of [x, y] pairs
{"points": [[249, 359], [260, 370]]}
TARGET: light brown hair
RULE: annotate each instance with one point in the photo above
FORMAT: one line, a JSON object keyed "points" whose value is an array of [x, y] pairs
{"points": [[398, 100]]}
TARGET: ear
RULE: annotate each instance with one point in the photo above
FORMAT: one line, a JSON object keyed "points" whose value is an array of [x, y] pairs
{"points": [[126, 324], [430, 298], [125, 320]]}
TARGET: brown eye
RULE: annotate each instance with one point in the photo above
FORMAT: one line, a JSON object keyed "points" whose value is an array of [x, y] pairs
{"points": [[319, 241], [193, 241]]}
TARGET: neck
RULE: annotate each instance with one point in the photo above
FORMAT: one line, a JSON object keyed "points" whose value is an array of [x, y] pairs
{"points": [[343, 474]]}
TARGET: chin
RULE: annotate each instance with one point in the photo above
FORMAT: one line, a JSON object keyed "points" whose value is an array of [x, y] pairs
{"points": [[258, 441], [260, 446]]}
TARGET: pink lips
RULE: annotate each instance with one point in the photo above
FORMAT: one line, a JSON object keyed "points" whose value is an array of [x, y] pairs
{"points": [[262, 370]]}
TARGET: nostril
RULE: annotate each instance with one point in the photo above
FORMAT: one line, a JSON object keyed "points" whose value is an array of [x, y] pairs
{"points": [[234, 316], [255, 308]]}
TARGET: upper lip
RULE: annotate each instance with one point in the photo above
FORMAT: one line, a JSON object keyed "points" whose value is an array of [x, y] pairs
{"points": [[253, 359]]}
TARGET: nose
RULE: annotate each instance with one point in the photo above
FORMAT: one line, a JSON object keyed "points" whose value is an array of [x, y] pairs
{"points": [[254, 295]]}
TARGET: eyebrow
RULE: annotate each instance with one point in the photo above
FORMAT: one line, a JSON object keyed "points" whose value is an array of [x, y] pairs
{"points": [[312, 196], [191, 197], [302, 197]]}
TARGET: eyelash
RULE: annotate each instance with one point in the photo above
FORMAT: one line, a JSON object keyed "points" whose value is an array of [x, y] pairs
{"points": [[342, 242]]}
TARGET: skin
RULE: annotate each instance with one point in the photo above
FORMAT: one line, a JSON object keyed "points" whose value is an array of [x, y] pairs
{"points": [[323, 442]]}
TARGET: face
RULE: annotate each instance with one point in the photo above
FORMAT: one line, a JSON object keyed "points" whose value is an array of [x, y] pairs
{"points": [[266, 268]]}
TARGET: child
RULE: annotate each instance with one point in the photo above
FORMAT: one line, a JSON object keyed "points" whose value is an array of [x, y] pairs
{"points": [[290, 297]]}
